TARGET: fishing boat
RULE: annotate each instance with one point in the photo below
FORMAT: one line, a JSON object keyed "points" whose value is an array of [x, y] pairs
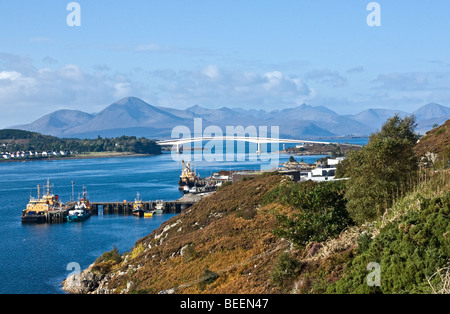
{"points": [[159, 209], [79, 213], [38, 208], [138, 206], [84, 199]]}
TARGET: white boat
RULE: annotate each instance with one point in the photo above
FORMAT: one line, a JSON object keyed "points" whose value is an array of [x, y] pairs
{"points": [[79, 213], [159, 209]]}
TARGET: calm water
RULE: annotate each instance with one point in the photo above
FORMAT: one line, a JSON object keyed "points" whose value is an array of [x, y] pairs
{"points": [[34, 258]]}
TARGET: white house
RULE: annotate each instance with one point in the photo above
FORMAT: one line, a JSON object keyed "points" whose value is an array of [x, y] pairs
{"points": [[335, 161]]}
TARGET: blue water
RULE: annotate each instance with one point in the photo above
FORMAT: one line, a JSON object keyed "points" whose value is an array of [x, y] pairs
{"points": [[34, 258]]}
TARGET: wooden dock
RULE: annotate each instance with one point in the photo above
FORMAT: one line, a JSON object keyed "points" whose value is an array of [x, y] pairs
{"points": [[126, 208], [56, 216], [119, 208]]}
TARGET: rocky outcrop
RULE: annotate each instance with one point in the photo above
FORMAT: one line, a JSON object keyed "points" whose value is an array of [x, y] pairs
{"points": [[85, 282]]}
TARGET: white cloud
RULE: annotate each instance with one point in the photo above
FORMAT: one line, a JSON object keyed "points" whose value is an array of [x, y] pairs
{"points": [[404, 81], [327, 77], [214, 86], [28, 92], [11, 75], [211, 71]]}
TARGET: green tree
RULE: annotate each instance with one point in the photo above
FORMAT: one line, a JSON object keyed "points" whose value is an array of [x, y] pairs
{"points": [[320, 211], [382, 170]]}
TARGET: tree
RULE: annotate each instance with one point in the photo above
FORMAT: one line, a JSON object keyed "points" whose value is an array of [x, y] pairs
{"points": [[319, 211], [381, 170]]}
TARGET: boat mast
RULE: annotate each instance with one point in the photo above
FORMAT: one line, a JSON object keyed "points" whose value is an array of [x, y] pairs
{"points": [[48, 186]]}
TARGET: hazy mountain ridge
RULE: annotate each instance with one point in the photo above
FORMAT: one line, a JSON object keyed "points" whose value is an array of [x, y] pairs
{"points": [[133, 116]]}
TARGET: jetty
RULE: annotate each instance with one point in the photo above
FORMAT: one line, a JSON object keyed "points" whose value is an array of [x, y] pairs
{"points": [[126, 208]]}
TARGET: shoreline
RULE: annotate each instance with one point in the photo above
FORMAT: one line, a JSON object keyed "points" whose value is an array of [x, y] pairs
{"points": [[81, 156]]}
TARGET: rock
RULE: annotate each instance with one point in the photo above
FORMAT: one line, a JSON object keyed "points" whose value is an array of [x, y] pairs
{"points": [[83, 283]]}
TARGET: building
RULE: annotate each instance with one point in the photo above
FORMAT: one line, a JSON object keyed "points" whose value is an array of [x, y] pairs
{"points": [[335, 161]]}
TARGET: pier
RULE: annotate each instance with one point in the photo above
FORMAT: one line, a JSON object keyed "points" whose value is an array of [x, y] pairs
{"points": [[126, 208], [56, 216]]}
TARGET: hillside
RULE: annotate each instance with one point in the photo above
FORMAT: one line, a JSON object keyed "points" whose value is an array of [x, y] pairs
{"points": [[434, 147], [225, 244], [19, 140]]}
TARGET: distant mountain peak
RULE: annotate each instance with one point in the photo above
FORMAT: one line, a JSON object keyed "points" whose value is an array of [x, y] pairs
{"points": [[133, 116], [431, 111], [129, 100]]}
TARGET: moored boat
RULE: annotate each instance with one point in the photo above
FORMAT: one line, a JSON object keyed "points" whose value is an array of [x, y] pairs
{"points": [[79, 213], [38, 208], [148, 214], [138, 206], [188, 178], [159, 209]]}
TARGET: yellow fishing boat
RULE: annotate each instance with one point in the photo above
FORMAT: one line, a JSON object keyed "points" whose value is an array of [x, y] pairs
{"points": [[38, 208], [138, 206]]}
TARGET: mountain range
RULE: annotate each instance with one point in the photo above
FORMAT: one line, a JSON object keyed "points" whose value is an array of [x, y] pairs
{"points": [[133, 116]]}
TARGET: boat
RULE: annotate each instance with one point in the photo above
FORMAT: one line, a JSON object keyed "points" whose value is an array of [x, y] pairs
{"points": [[148, 214], [193, 190], [79, 213], [159, 209], [138, 206], [84, 199], [188, 178], [38, 208]]}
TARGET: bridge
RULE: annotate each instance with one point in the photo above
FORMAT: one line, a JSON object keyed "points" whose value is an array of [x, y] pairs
{"points": [[258, 140]]}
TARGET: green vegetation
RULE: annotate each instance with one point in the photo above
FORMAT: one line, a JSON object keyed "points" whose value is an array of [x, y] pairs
{"points": [[107, 261], [319, 211], [382, 170], [18, 140], [409, 252], [208, 278], [284, 269], [409, 210]]}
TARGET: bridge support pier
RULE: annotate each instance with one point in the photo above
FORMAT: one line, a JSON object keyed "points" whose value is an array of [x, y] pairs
{"points": [[259, 151]]}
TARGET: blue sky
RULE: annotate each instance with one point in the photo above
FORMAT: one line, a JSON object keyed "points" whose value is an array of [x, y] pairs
{"points": [[263, 54]]}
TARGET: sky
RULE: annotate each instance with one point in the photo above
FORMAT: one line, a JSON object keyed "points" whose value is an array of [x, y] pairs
{"points": [[252, 54]]}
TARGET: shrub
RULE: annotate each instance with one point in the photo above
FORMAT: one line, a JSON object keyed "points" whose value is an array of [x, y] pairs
{"points": [[137, 250], [284, 269], [208, 277], [247, 213], [382, 168], [319, 211], [107, 261], [112, 255], [409, 252], [364, 242]]}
